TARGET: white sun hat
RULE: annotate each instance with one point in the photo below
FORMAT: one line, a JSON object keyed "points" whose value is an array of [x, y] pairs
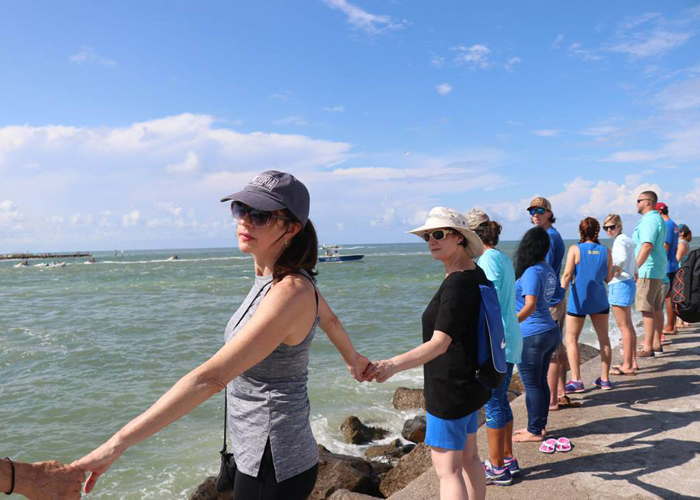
{"points": [[442, 218]]}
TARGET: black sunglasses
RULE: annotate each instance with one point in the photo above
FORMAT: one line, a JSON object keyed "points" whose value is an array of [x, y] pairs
{"points": [[538, 210], [609, 228], [438, 234], [258, 218], [642, 199]]}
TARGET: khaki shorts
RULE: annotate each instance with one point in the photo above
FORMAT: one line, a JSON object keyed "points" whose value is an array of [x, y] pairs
{"points": [[650, 295]]}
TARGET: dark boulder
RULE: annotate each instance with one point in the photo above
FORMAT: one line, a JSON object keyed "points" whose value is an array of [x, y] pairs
{"points": [[207, 491], [355, 432], [414, 429], [343, 472]]}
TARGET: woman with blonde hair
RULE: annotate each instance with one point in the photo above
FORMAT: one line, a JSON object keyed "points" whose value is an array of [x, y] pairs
{"points": [[588, 268], [621, 291]]}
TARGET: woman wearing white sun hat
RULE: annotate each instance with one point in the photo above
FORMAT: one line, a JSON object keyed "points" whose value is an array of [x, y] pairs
{"points": [[448, 355]]}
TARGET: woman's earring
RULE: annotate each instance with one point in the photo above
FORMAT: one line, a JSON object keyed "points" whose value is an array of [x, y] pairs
{"points": [[286, 242]]}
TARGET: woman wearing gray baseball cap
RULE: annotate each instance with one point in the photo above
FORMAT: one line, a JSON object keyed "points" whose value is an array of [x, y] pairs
{"points": [[263, 365]]}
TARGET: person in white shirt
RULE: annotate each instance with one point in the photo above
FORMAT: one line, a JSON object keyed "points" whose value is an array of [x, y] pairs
{"points": [[621, 291]]}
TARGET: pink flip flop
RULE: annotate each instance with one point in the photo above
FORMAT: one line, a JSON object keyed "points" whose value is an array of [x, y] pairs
{"points": [[563, 444], [548, 446]]}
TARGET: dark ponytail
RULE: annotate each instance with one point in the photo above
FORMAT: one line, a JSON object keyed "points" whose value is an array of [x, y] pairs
{"points": [[300, 254]]}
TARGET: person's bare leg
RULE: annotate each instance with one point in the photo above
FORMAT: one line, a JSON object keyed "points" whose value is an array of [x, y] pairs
{"points": [[448, 465], [649, 321], [496, 440], [623, 317], [472, 470], [658, 329], [600, 324], [553, 380], [670, 326], [574, 326], [508, 440]]}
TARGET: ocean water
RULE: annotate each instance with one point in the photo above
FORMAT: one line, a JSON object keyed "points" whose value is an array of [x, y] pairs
{"points": [[85, 348]]}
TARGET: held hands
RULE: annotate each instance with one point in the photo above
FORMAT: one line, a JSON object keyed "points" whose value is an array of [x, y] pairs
{"points": [[97, 463], [48, 481], [358, 368], [381, 371]]}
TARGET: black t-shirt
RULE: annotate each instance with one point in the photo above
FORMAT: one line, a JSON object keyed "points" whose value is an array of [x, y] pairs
{"points": [[451, 390]]}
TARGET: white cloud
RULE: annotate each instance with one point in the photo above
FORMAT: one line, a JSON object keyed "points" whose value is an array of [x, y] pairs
{"points": [[547, 132], [600, 130], [387, 218], [680, 96], [131, 219], [557, 41], [282, 96], [476, 56], [649, 35], [443, 88], [296, 120], [334, 109], [10, 216], [511, 62], [437, 61], [169, 207], [87, 55], [81, 220], [371, 24], [188, 165], [576, 50]]}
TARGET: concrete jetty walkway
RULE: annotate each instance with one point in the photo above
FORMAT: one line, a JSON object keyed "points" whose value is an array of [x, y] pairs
{"points": [[639, 440]]}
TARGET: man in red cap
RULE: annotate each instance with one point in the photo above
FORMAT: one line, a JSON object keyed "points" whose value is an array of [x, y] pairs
{"points": [[671, 245]]}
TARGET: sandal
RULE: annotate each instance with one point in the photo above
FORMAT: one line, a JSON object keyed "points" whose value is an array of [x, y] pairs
{"points": [[565, 402], [563, 444], [617, 370], [548, 446]]}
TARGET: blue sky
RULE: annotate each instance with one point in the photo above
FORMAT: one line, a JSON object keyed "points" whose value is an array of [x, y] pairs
{"points": [[123, 123]]}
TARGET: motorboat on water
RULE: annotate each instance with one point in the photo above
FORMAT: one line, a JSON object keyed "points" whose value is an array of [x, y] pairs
{"points": [[23, 263], [41, 264], [56, 264], [173, 257], [90, 261], [331, 253]]}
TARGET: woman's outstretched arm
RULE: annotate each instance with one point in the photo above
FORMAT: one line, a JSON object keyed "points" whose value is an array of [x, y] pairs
{"points": [[284, 314], [357, 364]]}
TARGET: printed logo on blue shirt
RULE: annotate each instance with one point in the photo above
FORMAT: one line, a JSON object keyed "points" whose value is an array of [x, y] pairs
{"points": [[550, 287]]}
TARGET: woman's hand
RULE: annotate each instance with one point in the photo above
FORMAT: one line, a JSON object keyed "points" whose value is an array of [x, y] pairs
{"points": [[381, 371], [358, 368], [97, 463]]}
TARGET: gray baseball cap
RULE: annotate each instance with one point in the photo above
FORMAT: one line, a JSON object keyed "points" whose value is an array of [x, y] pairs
{"points": [[274, 190]]}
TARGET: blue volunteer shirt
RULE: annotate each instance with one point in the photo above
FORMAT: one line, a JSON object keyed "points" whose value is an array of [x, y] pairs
{"points": [[672, 242], [541, 281], [651, 229], [554, 258]]}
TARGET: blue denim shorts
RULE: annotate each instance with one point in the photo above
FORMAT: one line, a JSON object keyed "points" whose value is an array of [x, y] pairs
{"points": [[498, 412], [450, 434], [621, 293]]}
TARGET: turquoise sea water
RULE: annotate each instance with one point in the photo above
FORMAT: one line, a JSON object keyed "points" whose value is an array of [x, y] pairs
{"points": [[85, 348]]}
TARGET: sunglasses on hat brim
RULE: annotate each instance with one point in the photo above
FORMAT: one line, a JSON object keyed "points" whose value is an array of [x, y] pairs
{"points": [[257, 218]]}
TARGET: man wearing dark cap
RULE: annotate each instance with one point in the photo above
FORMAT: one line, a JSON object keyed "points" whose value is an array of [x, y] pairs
{"points": [[541, 215], [671, 246]]}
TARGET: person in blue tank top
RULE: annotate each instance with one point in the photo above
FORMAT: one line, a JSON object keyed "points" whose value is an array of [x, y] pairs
{"points": [[588, 269]]}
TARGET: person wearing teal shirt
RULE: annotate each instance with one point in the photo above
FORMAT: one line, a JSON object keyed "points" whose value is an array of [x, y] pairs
{"points": [[649, 237], [499, 270]]}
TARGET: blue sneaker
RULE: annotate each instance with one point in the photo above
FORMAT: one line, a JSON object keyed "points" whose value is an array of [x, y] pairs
{"points": [[497, 475], [574, 386], [603, 384], [512, 464]]}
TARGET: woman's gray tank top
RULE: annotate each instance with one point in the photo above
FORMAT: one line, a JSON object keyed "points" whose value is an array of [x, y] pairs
{"points": [[270, 401]]}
